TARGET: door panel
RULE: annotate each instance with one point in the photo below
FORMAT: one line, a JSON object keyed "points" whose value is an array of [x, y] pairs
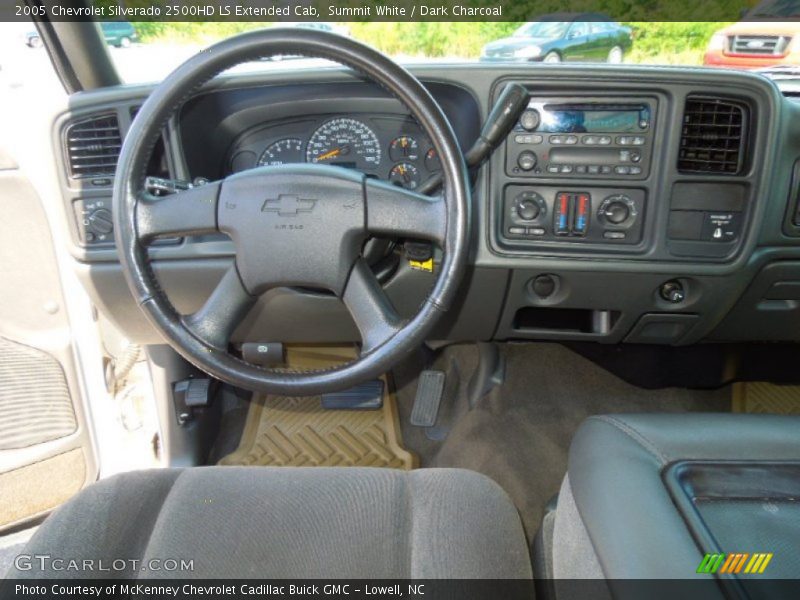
{"points": [[46, 452]]}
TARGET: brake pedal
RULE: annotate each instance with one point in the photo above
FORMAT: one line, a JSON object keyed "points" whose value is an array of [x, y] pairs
{"points": [[430, 388], [366, 396]]}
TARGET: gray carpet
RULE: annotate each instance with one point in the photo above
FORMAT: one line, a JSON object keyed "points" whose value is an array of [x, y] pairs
{"points": [[520, 433]]}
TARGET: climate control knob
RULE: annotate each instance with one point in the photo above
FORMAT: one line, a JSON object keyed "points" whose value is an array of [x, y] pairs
{"points": [[527, 160], [617, 211], [529, 206]]}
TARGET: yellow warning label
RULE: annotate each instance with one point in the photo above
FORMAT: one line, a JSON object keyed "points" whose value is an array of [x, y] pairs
{"points": [[422, 266]]}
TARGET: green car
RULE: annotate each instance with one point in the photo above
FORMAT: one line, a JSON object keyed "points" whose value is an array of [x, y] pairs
{"points": [[116, 33], [119, 33]]}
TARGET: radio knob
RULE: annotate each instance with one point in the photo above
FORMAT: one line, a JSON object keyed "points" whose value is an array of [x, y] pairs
{"points": [[101, 222], [527, 160], [529, 120]]}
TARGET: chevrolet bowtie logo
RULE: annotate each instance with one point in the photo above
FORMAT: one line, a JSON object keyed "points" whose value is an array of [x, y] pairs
{"points": [[288, 205]]}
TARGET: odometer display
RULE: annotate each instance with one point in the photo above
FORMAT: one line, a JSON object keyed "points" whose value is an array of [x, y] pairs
{"points": [[345, 142], [282, 152]]}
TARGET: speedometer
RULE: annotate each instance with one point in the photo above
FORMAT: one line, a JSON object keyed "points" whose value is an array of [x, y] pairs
{"points": [[344, 142]]}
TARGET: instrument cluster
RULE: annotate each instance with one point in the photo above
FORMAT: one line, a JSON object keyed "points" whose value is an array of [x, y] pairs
{"points": [[388, 147]]}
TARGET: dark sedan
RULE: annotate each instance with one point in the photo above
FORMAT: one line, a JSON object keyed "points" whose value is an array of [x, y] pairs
{"points": [[584, 38]]}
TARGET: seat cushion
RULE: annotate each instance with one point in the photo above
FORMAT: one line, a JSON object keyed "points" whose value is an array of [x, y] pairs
{"points": [[615, 508], [282, 523]]}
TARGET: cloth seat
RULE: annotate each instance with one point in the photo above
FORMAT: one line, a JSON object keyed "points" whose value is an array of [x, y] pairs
{"points": [[644, 495], [284, 523]]}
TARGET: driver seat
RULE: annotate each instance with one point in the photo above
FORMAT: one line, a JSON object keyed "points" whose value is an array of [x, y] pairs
{"points": [[285, 523]]}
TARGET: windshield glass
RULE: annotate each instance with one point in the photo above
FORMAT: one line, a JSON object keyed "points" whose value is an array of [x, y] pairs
{"points": [[148, 51], [549, 30], [771, 9]]}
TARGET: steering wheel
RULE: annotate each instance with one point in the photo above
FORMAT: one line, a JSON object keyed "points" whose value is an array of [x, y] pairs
{"points": [[291, 225]]}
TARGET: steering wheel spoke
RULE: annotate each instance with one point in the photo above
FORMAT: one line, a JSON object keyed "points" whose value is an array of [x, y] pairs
{"points": [[222, 313], [371, 309], [397, 212], [190, 212]]}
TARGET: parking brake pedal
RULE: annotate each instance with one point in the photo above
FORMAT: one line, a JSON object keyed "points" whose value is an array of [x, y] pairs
{"points": [[365, 396], [430, 388]]}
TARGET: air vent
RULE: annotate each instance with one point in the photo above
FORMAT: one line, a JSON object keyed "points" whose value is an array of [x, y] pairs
{"points": [[713, 136], [93, 146]]}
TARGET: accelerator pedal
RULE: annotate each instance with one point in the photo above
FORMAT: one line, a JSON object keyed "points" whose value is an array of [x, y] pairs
{"points": [[430, 388]]}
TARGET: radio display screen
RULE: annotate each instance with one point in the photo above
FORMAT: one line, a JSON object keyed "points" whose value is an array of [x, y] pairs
{"points": [[569, 119]]}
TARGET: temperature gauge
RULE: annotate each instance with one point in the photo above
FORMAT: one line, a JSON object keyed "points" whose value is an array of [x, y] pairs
{"points": [[404, 148], [405, 175], [432, 160]]}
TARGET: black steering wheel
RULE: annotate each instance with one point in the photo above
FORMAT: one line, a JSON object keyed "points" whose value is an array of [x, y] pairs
{"points": [[292, 225]]}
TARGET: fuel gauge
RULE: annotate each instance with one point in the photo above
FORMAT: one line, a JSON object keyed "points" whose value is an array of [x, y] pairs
{"points": [[404, 147], [405, 175]]}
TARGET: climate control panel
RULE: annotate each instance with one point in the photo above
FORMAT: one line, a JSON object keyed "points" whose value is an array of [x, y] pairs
{"points": [[581, 215]]}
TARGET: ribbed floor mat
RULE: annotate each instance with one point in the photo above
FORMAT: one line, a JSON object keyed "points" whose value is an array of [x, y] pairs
{"points": [[766, 398], [297, 431]]}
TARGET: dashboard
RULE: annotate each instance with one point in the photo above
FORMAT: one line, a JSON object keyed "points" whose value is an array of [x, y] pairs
{"points": [[628, 205], [388, 147]]}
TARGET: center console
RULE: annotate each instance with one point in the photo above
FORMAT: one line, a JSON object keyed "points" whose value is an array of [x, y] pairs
{"points": [[573, 165]]}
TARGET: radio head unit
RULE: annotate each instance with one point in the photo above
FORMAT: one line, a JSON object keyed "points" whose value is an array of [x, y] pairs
{"points": [[596, 137]]}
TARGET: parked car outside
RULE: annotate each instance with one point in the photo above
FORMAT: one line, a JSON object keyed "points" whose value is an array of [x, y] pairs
{"points": [[585, 37], [768, 35], [116, 33]]}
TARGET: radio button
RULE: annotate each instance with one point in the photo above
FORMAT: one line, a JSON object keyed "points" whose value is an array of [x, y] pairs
{"points": [[516, 230], [528, 139], [554, 168], [594, 169], [604, 140], [590, 140], [536, 231], [557, 140], [637, 140], [636, 170], [581, 169], [614, 235], [571, 140], [566, 169], [622, 170], [605, 169]]}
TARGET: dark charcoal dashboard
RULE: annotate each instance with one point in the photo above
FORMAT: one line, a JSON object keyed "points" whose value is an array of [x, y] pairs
{"points": [[640, 205]]}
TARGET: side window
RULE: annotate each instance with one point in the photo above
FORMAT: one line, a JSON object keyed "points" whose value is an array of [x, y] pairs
{"points": [[578, 29]]}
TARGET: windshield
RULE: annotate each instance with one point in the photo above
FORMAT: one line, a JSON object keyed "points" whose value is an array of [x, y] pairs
{"points": [[145, 52], [549, 30]]}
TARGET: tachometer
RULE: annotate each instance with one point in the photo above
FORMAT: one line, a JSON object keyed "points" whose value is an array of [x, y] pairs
{"points": [[345, 142], [282, 152]]}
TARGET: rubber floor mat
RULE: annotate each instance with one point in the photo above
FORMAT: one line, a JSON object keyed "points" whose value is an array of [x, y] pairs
{"points": [[766, 398], [297, 431]]}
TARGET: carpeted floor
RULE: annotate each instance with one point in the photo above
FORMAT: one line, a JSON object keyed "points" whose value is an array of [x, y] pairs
{"points": [[520, 433]]}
